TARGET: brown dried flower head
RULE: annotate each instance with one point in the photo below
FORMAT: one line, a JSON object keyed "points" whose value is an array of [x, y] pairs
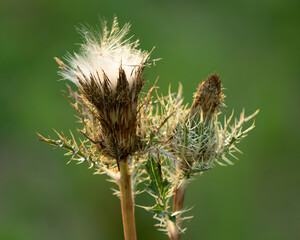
{"points": [[208, 96], [108, 72]]}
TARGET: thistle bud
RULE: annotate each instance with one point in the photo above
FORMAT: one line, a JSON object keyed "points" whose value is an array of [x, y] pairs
{"points": [[108, 72], [194, 137]]}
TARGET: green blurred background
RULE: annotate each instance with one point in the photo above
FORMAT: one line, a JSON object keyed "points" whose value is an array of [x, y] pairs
{"points": [[253, 45]]}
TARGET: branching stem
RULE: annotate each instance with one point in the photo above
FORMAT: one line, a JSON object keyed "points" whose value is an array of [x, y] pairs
{"points": [[127, 203]]}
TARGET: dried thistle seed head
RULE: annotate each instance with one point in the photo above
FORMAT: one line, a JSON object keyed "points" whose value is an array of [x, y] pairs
{"points": [[104, 53], [208, 96], [116, 112], [108, 72]]}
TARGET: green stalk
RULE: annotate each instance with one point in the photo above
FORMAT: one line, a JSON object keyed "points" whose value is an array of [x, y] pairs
{"points": [[127, 203]]}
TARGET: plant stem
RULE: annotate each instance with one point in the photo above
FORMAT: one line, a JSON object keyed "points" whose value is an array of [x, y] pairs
{"points": [[174, 228], [127, 204]]}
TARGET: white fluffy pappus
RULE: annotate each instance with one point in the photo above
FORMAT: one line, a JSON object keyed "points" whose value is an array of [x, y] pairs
{"points": [[105, 53]]}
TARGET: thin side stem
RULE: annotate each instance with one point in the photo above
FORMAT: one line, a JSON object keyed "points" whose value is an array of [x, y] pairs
{"points": [[127, 203], [174, 228]]}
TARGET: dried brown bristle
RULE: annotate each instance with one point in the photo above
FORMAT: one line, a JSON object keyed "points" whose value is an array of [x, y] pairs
{"points": [[115, 110]]}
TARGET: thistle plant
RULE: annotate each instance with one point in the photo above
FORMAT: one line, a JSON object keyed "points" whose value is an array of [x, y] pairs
{"points": [[196, 140], [135, 138]]}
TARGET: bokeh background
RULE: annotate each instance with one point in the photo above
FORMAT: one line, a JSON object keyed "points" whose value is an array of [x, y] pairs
{"points": [[253, 45]]}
